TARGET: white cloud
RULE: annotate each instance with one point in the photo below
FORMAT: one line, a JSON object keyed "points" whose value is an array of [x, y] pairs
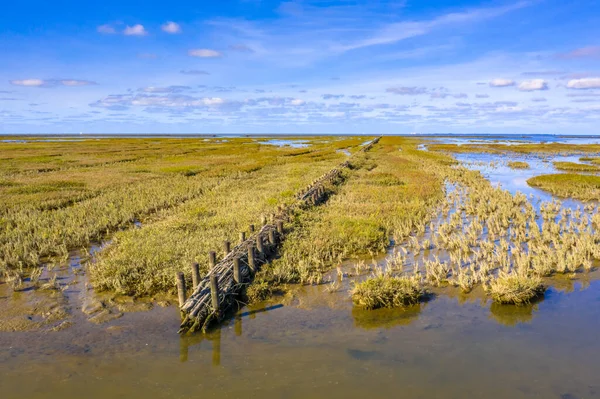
{"points": [[502, 82], [171, 27], [204, 53], [297, 101], [533, 85], [135, 30], [106, 29], [28, 82], [586, 83], [51, 82]]}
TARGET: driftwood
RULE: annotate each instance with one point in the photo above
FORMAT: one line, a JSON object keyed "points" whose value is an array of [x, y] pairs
{"points": [[218, 290]]}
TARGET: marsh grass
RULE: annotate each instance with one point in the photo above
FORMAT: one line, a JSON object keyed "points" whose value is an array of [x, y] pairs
{"points": [[57, 196], [516, 289], [575, 167], [569, 185], [388, 292], [518, 165], [388, 194]]}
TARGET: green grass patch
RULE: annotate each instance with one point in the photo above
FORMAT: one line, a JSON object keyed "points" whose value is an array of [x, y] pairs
{"points": [[569, 185], [575, 167]]}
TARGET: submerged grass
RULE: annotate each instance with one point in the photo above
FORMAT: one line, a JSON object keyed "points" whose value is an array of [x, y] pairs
{"points": [[569, 185], [388, 292], [518, 165]]}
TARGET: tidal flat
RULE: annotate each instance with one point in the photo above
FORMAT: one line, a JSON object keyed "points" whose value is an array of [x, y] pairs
{"points": [[93, 231]]}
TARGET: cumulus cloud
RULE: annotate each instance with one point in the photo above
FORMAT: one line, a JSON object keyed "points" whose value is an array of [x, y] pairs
{"points": [[407, 91], [204, 53], [533, 85], [135, 30], [171, 27], [193, 72], [297, 101], [584, 52], [502, 82], [50, 82], [585, 83], [106, 29]]}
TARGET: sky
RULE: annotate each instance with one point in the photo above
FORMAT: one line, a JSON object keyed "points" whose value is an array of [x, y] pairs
{"points": [[261, 66]]}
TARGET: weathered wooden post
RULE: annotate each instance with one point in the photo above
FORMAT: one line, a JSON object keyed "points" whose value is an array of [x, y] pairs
{"points": [[242, 236], [272, 240], [237, 277], [263, 220], [212, 259], [259, 247], [195, 275], [214, 292], [251, 228], [227, 247], [251, 260], [181, 288], [280, 227]]}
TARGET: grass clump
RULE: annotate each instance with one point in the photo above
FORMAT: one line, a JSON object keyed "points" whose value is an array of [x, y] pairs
{"points": [[388, 292], [518, 165], [569, 185], [575, 167], [516, 289]]}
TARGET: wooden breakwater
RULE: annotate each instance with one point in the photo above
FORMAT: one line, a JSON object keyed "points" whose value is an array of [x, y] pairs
{"points": [[219, 290]]}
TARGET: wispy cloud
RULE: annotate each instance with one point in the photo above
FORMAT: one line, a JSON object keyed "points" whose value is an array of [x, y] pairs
{"points": [[205, 53], [135, 30], [194, 72], [584, 52], [407, 91], [332, 96], [50, 82], [241, 48], [106, 29], [171, 27]]}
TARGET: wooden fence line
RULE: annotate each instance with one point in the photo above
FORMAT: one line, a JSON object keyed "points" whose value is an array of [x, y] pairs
{"points": [[214, 294]]}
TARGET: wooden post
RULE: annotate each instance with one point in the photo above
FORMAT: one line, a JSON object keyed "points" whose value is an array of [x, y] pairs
{"points": [[280, 227], [251, 228], [272, 240], [251, 261], [214, 292], [227, 247], [195, 275], [263, 220], [259, 246], [212, 259], [242, 236], [181, 288], [237, 277]]}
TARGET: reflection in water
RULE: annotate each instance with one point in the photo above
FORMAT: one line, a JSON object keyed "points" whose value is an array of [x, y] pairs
{"points": [[386, 318], [511, 315]]}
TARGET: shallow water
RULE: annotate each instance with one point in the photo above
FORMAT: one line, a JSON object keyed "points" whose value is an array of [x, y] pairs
{"points": [[314, 343]]}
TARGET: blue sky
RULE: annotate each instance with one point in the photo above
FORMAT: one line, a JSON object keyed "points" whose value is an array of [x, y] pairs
{"points": [[253, 66]]}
